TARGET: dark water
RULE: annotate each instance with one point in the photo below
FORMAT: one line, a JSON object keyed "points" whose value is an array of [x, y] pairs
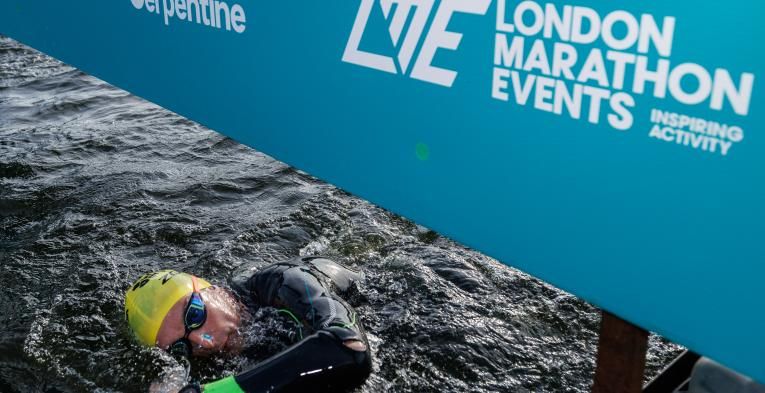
{"points": [[98, 186]]}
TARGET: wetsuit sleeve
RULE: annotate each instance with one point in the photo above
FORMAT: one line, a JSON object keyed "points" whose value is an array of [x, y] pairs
{"points": [[320, 362]]}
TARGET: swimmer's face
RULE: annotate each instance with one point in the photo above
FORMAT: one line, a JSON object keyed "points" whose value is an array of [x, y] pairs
{"points": [[220, 332]]}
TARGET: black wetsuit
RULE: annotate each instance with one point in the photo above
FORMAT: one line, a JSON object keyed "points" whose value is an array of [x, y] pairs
{"points": [[306, 288]]}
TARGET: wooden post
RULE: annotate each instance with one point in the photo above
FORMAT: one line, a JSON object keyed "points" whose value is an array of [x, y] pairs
{"points": [[621, 356]]}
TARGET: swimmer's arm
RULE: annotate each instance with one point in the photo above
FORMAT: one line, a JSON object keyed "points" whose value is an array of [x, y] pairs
{"points": [[320, 359]]}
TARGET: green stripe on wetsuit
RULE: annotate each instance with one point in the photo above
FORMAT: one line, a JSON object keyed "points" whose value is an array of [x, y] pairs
{"points": [[225, 385]]}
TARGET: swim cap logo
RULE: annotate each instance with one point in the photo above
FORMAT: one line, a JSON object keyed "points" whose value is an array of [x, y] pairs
{"points": [[142, 281], [168, 276], [437, 37]]}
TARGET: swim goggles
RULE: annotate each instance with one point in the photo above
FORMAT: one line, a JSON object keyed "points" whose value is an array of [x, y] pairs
{"points": [[194, 317]]}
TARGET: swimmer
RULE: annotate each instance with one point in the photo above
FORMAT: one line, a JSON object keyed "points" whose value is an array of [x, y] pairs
{"points": [[185, 314]]}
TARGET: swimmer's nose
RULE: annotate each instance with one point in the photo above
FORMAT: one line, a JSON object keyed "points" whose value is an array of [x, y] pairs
{"points": [[201, 340]]}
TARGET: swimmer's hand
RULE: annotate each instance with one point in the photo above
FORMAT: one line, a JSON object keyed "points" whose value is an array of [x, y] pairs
{"points": [[191, 388], [171, 381], [167, 386]]}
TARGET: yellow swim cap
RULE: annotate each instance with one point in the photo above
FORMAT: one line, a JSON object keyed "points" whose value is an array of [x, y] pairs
{"points": [[151, 298]]}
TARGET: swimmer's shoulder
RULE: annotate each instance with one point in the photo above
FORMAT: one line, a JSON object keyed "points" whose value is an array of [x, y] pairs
{"points": [[264, 281]]}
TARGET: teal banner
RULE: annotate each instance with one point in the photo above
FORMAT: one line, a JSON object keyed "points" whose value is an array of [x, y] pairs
{"points": [[612, 148]]}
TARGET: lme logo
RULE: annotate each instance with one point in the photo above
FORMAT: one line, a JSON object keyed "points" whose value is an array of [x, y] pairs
{"points": [[436, 38]]}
